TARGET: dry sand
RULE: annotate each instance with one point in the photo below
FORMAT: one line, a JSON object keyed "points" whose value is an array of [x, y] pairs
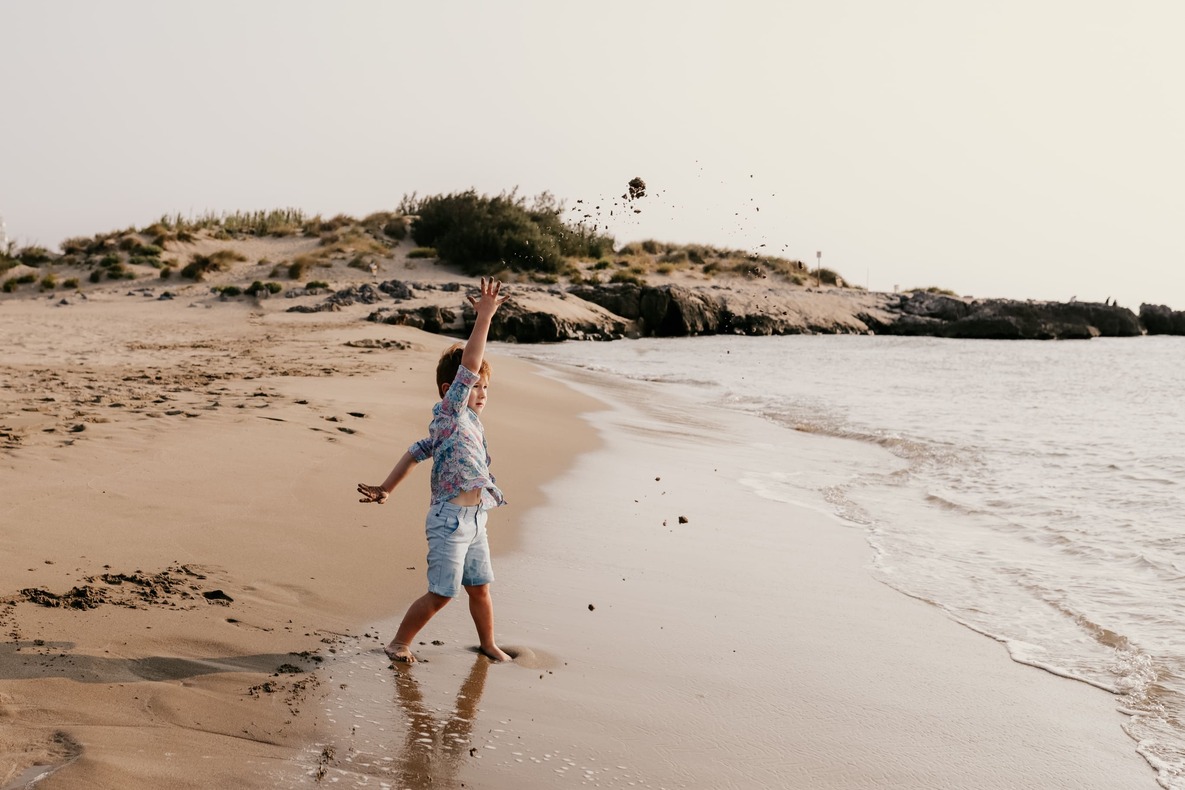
{"points": [[237, 596]]}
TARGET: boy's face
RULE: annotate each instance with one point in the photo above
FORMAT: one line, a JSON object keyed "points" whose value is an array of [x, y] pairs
{"points": [[477, 395]]}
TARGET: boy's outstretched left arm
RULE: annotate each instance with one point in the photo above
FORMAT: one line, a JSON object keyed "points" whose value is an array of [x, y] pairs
{"points": [[378, 494]]}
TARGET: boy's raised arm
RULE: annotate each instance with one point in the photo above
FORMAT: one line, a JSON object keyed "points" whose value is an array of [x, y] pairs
{"points": [[485, 305]]}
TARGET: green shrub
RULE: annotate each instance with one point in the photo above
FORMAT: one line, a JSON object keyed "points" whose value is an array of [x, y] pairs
{"points": [[77, 245], [26, 279], [828, 277], [313, 285], [602, 264], [117, 272], [627, 277], [298, 268], [196, 269], [71, 283], [33, 256], [651, 247], [96, 276], [229, 291], [49, 282], [483, 234], [422, 252], [111, 259], [258, 287], [201, 265], [9, 286], [146, 251]]}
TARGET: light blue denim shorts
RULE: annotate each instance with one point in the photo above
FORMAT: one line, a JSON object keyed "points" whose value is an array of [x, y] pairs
{"points": [[458, 552]]}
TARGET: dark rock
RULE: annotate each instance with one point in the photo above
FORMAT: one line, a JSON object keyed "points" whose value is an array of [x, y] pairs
{"points": [[675, 311], [430, 318], [515, 324], [1158, 319], [360, 294], [931, 305], [399, 291], [1007, 319], [623, 299], [906, 325]]}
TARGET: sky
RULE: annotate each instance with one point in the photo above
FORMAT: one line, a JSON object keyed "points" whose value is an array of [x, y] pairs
{"points": [[1028, 150]]}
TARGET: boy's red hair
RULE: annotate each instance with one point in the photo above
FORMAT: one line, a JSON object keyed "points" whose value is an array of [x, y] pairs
{"points": [[450, 362]]}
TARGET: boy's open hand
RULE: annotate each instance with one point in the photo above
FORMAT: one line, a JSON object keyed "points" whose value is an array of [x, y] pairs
{"points": [[372, 494], [491, 297]]}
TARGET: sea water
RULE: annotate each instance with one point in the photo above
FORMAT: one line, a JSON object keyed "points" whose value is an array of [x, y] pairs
{"points": [[1033, 490]]}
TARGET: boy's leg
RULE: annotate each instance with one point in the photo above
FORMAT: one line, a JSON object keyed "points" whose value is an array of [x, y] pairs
{"points": [[448, 540], [418, 614], [476, 581], [481, 607]]}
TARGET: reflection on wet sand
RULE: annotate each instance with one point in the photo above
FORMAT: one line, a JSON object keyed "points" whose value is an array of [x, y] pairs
{"points": [[433, 750]]}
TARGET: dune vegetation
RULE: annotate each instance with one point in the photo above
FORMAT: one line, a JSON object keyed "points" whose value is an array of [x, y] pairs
{"points": [[517, 238]]}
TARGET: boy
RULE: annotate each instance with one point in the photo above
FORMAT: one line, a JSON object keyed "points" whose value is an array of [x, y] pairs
{"points": [[462, 488]]}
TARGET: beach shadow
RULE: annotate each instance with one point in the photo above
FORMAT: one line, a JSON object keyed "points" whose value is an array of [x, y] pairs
{"points": [[434, 750], [39, 660]]}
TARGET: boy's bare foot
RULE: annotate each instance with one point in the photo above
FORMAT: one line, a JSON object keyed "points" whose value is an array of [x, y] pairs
{"points": [[495, 654], [401, 653]]}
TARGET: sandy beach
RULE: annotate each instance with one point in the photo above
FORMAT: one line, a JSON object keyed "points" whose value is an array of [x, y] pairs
{"points": [[193, 598]]}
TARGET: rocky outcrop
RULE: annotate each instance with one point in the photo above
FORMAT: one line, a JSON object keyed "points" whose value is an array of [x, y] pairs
{"points": [[1006, 319], [680, 311], [362, 294], [1161, 320], [549, 316], [430, 318], [545, 314]]}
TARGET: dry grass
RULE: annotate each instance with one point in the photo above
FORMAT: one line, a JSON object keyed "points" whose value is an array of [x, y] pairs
{"points": [[650, 258]]}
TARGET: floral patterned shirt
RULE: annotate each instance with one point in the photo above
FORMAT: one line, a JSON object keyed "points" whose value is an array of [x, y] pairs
{"points": [[456, 443]]}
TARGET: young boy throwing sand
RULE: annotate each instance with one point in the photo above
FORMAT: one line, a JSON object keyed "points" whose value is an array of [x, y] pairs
{"points": [[462, 488]]}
